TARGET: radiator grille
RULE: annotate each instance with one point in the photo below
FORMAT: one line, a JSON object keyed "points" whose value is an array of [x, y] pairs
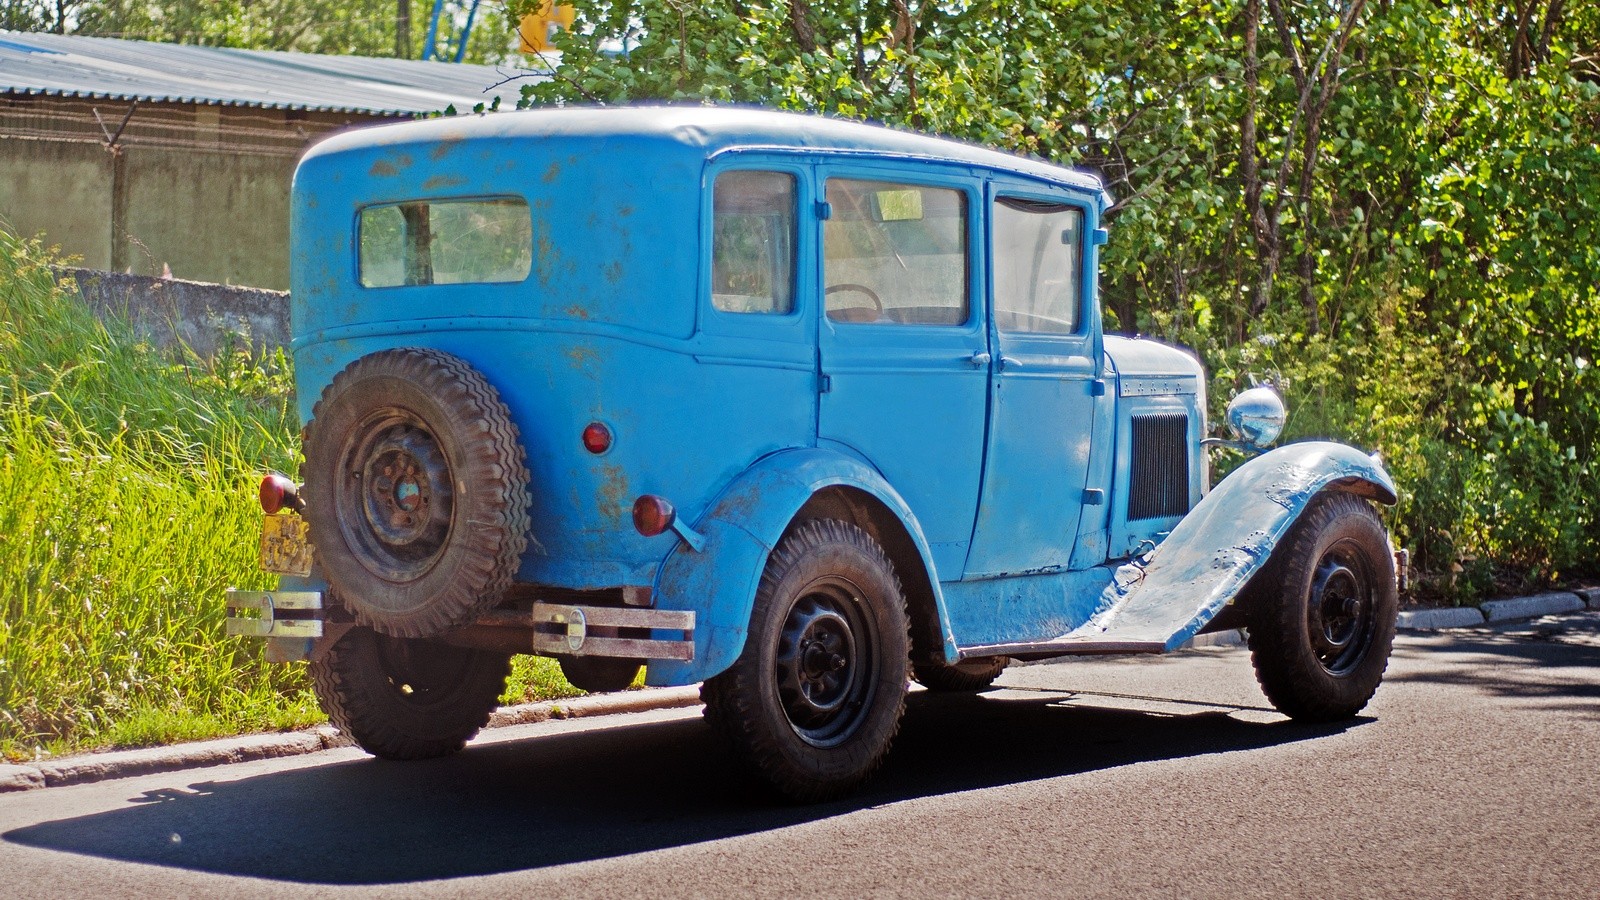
{"points": [[1159, 480]]}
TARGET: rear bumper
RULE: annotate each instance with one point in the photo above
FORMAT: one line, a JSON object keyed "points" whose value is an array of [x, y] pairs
{"points": [[293, 623]]}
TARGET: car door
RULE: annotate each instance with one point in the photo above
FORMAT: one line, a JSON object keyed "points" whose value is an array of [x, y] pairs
{"points": [[903, 348], [1044, 383]]}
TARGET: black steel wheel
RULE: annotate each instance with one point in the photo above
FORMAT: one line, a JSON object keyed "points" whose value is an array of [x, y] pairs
{"points": [[401, 698], [416, 491], [1322, 614], [814, 701], [965, 677]]}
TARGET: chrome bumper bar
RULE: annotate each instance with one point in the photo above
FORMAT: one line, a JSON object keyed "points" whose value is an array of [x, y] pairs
{"points": [[564, 630], [548, 628], [277, 614]]}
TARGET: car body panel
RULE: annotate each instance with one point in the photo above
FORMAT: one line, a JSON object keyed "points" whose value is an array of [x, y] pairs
{"points": [[718, 583]]}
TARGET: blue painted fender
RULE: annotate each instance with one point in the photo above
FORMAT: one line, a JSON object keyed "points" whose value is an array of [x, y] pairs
{"points": [[1225, 540], [744, 524]]}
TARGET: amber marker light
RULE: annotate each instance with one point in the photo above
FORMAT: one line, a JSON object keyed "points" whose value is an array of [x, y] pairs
{"points": [[652, 515], [277, 492], [597, 438]]}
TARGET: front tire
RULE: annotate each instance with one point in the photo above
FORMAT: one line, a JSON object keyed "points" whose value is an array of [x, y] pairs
{"points": [[1322, 618], [400, 698], [965, 677], [814, 700]]}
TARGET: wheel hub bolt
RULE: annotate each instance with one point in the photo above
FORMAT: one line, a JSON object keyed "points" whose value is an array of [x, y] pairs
{"points": [[836, 662]]}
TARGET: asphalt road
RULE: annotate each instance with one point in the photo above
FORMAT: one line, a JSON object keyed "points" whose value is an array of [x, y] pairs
{"points": [[1475, 773]]}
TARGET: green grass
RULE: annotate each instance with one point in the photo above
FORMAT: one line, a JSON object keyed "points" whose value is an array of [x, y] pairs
{"points": [[127, 507]]}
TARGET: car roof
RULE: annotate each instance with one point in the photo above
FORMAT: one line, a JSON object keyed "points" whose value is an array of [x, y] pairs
{"points": [[704, 130]]}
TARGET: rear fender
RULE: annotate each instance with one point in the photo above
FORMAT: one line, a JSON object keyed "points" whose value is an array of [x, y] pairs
{"points": [[718, 583], [1227, 538]]}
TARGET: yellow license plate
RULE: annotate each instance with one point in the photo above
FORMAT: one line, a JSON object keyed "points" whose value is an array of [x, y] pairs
{"points": [[285, 545]]}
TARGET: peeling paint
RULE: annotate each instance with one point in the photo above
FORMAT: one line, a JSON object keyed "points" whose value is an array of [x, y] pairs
{"points": [[382, 169], [551, 173], [438, 182]]}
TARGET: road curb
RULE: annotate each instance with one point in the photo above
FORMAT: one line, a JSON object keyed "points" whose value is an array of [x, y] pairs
{"points": [[1497, 611], [91, 767], [1435, 619], [1550, 604]]}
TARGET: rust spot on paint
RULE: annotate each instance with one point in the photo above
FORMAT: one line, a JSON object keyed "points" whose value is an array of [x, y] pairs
{"points": [[625, 210], [445, 145], [613, 496], [384, 167], [442, 181], [576, 311], [552, 173], [545, 256], [612, 271], [582, 357]]}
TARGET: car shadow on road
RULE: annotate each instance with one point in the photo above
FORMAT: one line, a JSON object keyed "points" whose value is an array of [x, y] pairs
{"points": [[556, 799], [1552, 663]]}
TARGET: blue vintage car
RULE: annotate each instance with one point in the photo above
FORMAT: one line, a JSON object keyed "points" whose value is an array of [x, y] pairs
{"points": [[793, 407]]}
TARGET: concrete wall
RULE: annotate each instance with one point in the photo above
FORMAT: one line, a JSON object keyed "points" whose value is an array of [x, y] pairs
{"points": [[201, 191], [170, 312], [61, 190], [208, 216]]}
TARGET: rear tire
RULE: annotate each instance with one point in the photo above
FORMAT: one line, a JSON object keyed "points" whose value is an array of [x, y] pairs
{"points": [[1322, 614], [814, 700], [400, 698], [965, 677]]}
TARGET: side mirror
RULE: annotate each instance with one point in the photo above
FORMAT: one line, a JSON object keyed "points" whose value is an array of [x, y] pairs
{"points": [[1256, 416]]}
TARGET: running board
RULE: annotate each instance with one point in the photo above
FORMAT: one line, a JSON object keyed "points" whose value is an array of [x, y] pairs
{"points": [[1067, 645]]}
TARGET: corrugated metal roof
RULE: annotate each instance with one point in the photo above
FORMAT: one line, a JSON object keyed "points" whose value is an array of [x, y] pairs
{"points": [[106, 68]]}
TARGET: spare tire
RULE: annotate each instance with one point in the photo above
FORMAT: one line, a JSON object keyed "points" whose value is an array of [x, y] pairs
{"points": [[416, 489]]}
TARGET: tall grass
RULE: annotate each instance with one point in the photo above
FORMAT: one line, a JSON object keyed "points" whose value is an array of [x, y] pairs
{"points": [[124, 515], [127, 507]]}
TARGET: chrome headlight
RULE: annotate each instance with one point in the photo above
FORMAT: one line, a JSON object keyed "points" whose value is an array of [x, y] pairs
{"points": [[1256, 416]]}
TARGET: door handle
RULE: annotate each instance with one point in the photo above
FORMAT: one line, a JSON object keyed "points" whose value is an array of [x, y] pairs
{"points": [[979, 359], [1007, 362]]}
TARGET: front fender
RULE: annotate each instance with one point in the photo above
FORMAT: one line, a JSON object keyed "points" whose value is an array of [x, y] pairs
{"points": [[1225, 540], [743, 525]]}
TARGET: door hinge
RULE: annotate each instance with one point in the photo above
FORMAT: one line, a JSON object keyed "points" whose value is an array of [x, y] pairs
{"points": [[1093, 497], [1097, 387], [824, 383], [824, 210]]}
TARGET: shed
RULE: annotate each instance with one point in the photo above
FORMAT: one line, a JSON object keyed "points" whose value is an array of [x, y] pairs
{"points": [[150, 158]]}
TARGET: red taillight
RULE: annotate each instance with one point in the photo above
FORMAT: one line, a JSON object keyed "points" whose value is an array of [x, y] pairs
{"points": [[278, 492], [597, 438], [652, 515]]}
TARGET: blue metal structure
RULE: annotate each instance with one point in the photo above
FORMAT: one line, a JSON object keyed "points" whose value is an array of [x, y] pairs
{"points": [[430, 47], [1035, 487]]}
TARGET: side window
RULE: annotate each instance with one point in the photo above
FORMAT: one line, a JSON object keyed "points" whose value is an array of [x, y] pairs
{"points": [[1038, 265], [895, 253], [752, 242]]}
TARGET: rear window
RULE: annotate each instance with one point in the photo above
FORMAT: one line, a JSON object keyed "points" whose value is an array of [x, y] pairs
{"points": [[482, 241]]}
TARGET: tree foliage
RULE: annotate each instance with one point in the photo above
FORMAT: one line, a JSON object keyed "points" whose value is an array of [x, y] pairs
{"points": [[357, 27], [1389, 206]]}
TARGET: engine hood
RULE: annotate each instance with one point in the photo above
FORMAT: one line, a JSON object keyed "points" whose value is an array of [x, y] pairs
{"points": [[1147, 368]]}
